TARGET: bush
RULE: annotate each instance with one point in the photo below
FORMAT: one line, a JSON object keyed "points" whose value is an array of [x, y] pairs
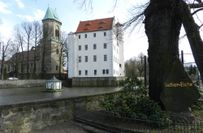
{"points": [[135, 103]]}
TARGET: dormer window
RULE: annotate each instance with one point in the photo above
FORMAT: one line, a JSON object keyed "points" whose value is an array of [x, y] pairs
{"points": [[88, 24], [86, 29], [100, 27], [102, 22]]}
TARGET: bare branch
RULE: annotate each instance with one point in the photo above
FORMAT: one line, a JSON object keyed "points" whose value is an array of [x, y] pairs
{"points": [[85, 4], [7, 44], [200, 9], [201, 26], [115, 4], [137, 18], [199, 5], [199, 1]]}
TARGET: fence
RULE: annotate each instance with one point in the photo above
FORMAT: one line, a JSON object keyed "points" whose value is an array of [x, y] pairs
{"points": [[106, 121]]}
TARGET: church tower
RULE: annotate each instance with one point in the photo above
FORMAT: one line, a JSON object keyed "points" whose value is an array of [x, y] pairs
{"points": [[51, 45]]}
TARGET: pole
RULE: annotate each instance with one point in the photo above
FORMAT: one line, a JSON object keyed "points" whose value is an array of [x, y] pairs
{"points": [[145, 71]]}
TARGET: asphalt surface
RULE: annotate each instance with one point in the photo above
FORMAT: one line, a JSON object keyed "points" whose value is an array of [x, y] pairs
{"points": [[14, 96]]}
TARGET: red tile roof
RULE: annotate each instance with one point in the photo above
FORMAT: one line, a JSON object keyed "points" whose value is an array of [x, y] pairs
{"points": [[95, 25]]}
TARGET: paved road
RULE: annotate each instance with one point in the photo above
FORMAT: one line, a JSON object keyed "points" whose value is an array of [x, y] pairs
{"points": [[27, 95]]}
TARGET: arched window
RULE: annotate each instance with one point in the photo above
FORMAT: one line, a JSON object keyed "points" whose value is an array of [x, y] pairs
{"points": [[57, 34], [57, 51]]}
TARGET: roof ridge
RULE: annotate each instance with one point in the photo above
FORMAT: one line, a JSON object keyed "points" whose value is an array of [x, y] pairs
{"points": [[97, 19], [95, 25]]}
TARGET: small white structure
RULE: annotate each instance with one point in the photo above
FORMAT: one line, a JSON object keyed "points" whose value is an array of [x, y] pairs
{"points": [[53, 84], [96, 49]]}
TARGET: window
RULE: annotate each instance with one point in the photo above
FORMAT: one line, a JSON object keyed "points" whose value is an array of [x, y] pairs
{"points": [[120, 65], [79, 59], [86, 58], [95, 72], [104, 33], [94, 46], [79, 72], [78, 36], [57, 32], [94, 34], [57, 51], [107, 71], [85, 35], [79, 47], [103, 71], [86, 72], [105, 45], [94, 58], [86, 47], [56, 67], [105, 57]]}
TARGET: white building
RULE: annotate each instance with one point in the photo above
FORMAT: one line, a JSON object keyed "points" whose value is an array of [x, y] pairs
{"points": [[96, 49]]}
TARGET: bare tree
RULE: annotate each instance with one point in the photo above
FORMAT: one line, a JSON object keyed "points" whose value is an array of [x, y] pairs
{"points": [[4, 54], [37, 29], [63, 51], [19, 39], [28, 29], [135, 67]]}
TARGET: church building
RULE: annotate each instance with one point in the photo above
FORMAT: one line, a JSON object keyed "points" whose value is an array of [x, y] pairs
{"points": [[47, 56]]}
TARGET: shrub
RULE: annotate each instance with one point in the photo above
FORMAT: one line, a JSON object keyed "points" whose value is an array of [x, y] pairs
{"points": [[133, 102]]}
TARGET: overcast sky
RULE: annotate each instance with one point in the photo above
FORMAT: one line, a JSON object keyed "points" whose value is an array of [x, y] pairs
{"points": [[13, 12]]}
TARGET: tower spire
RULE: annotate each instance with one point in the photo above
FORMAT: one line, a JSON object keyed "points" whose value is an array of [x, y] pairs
{"points": [[51, 14]]}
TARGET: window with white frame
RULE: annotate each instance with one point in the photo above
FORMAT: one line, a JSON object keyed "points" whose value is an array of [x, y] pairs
{"points": [[94, 34], [85, 35], [104, 33], [105, 57], [86, 72], [79, 59], [105, 45], [79, 47], [79, 72], [86, 58], [94, 58], [103, 71], [107, 71], [95, 72], [86, 47], [94, 46]]}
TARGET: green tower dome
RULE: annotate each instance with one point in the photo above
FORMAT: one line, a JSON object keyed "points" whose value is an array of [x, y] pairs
{"points": [[51, 14]]}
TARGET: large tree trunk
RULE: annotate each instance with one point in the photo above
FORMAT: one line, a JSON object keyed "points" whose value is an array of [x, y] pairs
{"points": [[162, 26], [192, 31]]}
